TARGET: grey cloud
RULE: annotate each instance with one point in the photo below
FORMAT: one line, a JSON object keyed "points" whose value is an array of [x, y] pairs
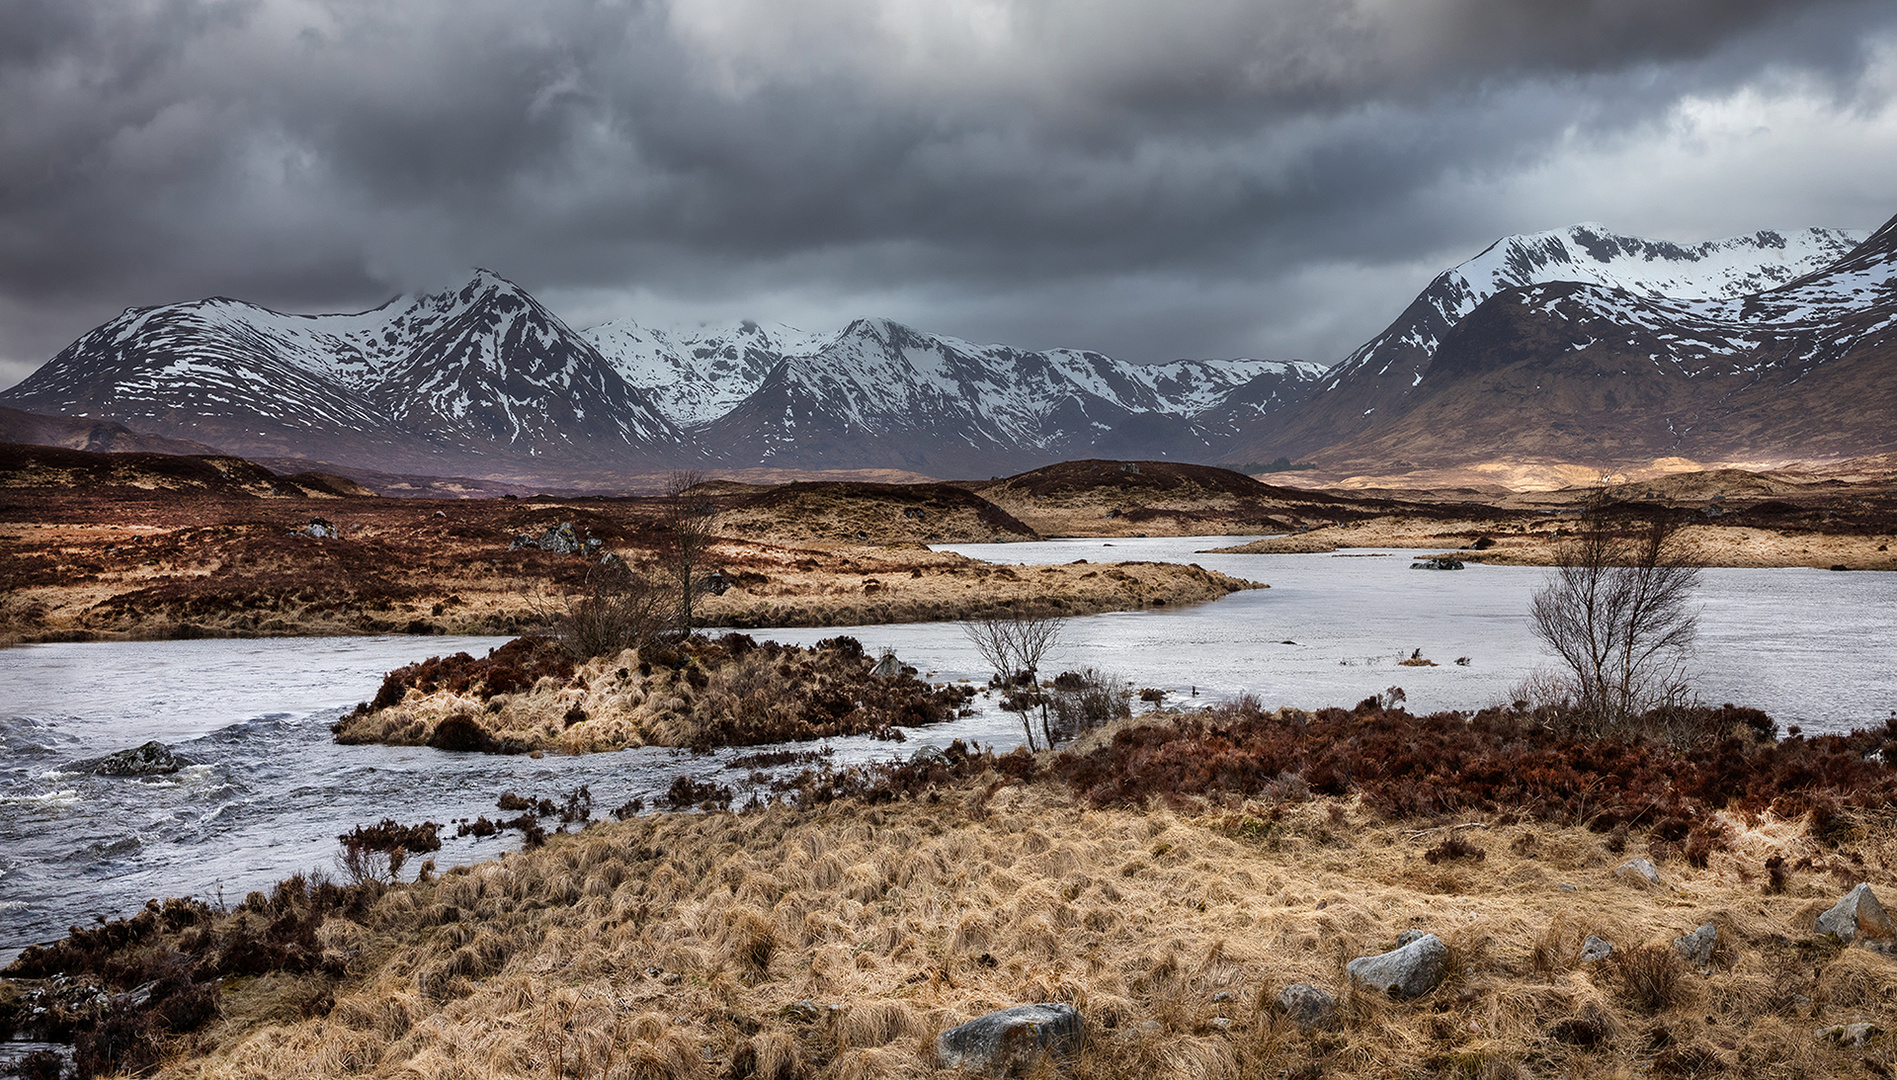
{"points": [[1154, 180]]}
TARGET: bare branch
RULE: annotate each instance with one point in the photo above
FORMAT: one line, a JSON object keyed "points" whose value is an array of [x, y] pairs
{"points": [[1618, 612]]}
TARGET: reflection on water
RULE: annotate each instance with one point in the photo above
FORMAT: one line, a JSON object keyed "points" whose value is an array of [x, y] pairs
{"points": [[269, 791]]}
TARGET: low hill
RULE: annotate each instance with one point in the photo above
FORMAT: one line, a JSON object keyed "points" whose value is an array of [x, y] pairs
{"points": [[865, 513], [81, 433], [1161, 498], [120, 473]]}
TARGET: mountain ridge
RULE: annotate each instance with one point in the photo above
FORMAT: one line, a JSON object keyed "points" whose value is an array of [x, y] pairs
{"points": [[1603, 374], [483, 381]]}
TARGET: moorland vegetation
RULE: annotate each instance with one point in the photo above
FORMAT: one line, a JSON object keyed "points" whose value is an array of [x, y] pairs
{"points": [[1169, 876]]}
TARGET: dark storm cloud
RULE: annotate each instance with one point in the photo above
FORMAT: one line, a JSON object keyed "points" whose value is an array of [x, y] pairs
{"points": [[1152, 179]]}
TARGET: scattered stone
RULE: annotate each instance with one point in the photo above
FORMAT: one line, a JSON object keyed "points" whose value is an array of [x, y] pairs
{"points": [[320, 529], [1595, 949], [803, 1012], [1223, 1023], [1638, 871], [1857, 915], [1221, 996], [1697, 947], [1407, 972], [1438, 562], [152, 759], [1010, 1040], [888, 667], [1307, 1006], [1407, 936], [931, 754], [1850, 1034]]}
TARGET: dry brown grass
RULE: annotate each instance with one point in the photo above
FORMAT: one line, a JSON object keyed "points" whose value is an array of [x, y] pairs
{"points": [[687, 945]]}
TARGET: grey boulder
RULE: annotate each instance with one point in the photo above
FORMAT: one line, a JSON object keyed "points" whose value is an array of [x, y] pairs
{"points": [[1697, 947], [1594, 949], [1408, 972], [1011, 1040], [1307, 1005], [1857, 915], [1638, 871]]}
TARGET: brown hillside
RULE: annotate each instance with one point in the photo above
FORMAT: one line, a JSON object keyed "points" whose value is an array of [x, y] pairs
{"points": [[1162, 498], [856, 513]]}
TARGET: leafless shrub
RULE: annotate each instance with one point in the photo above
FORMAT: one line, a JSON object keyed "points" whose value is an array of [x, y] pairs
{"points": [[1013, 646], [618, 609], [1617, 611], [1650, 978], [1085, 699]]}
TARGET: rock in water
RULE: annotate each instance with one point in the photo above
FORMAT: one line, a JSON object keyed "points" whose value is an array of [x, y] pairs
{"points": [[152, 759], [1307, 1005], [1010, 1040], [1408, 972], [1857, 915]]}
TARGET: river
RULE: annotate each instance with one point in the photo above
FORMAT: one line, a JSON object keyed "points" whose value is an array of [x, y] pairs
{"points": [[269, 792]]}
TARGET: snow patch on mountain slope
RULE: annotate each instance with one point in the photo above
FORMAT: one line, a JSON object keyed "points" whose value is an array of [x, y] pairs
{"points": [[1589, 253]]}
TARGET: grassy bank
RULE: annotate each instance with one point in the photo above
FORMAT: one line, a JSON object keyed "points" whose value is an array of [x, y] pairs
{"points": [[1166, 878], [730, 691]]}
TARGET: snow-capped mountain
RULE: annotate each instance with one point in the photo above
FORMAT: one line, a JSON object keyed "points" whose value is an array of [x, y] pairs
{"points": [[484, 381], [1607, 370], [470, 378], [1576, 344], [1361, 392], [883, 394], [696, 375]]}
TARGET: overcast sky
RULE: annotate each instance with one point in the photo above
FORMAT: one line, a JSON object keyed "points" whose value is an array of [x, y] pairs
{"points": [[1273, 178]]}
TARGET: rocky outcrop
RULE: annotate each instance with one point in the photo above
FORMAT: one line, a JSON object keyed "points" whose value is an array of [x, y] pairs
{"points": [[1011, 1040], [152, 759], [561, 539]]}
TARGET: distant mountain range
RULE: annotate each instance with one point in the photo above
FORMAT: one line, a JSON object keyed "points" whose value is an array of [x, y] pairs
{"points": [[1576, 344]]}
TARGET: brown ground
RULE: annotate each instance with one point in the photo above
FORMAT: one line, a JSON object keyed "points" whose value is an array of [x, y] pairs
{"points": [[115, 546], [147, 545], [1809, 538], [835, 942]]}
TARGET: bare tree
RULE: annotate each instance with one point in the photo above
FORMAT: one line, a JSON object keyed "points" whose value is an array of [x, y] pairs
{"points": [[687, 517], [1013, 646], [1618, 612]]}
